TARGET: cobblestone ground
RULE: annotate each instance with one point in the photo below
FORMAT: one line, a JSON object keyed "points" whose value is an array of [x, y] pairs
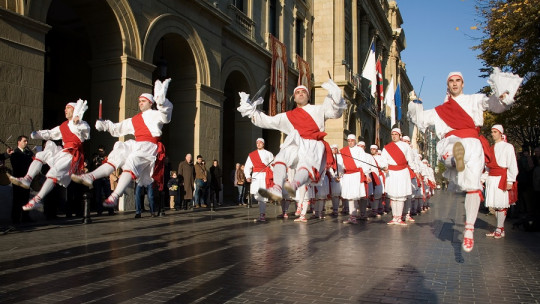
{"points": [[225, 257]]}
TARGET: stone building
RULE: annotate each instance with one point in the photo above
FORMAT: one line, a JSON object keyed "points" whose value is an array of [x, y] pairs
{"points": [[56, 51]]}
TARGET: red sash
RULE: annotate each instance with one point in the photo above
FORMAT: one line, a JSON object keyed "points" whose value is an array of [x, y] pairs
{"points": [[73, 146], [142, 133], [397, 155], [496, 170], [381, 173], [350, 165], [463, 124], [308, 129], [259, 166]]}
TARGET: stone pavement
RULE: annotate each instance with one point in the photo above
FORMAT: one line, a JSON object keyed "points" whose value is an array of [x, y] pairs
{"points": [[224, 256]]}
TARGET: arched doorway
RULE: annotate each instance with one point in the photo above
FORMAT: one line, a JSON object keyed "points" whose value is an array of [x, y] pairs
{"points": [[237, 130], [174, 59], [83, 40]]}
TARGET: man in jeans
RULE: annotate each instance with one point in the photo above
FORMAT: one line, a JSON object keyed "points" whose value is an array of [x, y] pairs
{"points": [[200, 183]]}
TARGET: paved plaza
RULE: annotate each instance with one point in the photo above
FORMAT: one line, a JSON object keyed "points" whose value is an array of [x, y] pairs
{"points": [[225, 257]]}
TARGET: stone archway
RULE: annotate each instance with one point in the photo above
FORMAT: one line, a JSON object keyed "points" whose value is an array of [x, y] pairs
{"points": [[237, 130]]}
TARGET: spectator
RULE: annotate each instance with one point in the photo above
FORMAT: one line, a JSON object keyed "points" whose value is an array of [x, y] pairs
{"points": [[215, 183], [172, 184], [102, 186], [20, 158], [201, 177], [186, 179], [139, 199], [241, 182]]}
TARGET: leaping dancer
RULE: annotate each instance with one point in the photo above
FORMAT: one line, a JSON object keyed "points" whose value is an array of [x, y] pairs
{"points": [[140, 159], [63, 161], [304, 148]]}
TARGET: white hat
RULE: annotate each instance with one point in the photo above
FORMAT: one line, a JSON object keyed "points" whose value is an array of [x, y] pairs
{"points": [[397, 130], [260, 139], [425, 161], [71, 104], [148, 97], [373, 147], [406, 138], [454, 74], [351, 136], [361, 143], [334, 146], [301, 87], [498, 128]]}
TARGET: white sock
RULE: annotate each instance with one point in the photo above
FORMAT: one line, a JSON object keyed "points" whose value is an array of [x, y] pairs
{"points": [[397, 208], [102, 171], [34, 169], [123, 181], [48, 185], [280, 173], [300, 178], [353, 207], [501, 217]]}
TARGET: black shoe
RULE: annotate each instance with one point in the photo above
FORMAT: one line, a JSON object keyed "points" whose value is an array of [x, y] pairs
{"points": [[138, 215]]}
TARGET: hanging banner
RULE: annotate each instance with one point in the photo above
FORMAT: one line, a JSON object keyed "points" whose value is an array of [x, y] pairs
{"points": [[304, 73], [278, 80]]}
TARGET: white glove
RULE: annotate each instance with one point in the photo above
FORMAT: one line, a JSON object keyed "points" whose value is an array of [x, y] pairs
{"points": [[248, 107], [102, 125], [160, 90], [35, 135], [334, 92], [80, 108]]}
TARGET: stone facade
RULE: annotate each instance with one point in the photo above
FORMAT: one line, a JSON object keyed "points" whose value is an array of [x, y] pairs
{"points": [[55, 52]]}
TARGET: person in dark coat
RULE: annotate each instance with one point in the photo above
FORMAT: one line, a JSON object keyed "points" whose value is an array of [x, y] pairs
{"points": [[215, 183], [186, 179], [21, 158]]}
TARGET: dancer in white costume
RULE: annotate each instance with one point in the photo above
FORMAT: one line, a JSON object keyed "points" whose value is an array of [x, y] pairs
{"points": [[368, 165], [457, 122], [304, 148], [63, 161], [258, 172], [140, 159], [501, 176], [355, 173], [398, 156], [416, 183], [378, 177]]}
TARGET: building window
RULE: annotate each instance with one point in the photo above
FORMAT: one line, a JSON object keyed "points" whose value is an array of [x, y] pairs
{"points": [[239, 4], [348, 33], [300, 37], [272, 19]]}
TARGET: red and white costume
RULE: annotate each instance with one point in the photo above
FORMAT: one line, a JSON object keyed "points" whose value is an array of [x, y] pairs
{"points": [[458, 120], [398, 156], [504, 170], [378, 179], [140, 159], [304, 148], [258, 168]]}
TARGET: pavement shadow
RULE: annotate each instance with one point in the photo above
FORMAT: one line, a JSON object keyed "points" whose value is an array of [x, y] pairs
{"points": [[405, 285]]}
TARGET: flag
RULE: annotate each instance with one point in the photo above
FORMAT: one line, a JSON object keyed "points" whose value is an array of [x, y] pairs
{"points": [[278, 80], [397, 97], [369, 71], [380, 88], [389, 101], [304, 73]]}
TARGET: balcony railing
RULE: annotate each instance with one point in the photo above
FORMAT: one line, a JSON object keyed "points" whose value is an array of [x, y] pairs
{"points": [[242, 23]]}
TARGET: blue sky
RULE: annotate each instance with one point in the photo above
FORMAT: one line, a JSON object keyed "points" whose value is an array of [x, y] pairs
{"points": [[435, 47]]}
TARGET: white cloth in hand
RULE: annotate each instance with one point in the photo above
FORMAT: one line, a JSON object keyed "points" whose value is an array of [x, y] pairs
{"points": [[102, 125], [160, 90], [247, 107], [501, 83], [334, 92], [80, 108]]}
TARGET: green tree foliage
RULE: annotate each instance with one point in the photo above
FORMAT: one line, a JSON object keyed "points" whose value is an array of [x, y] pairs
{"points": [[512, 42]]}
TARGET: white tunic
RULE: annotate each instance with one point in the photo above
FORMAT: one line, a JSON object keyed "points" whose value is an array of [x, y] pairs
{"points": [[398, 182], [377, 190], [474, 105], [506, 158], [297, 152], [58, 160], [258, 178], [139, 156], [351, 187]]}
